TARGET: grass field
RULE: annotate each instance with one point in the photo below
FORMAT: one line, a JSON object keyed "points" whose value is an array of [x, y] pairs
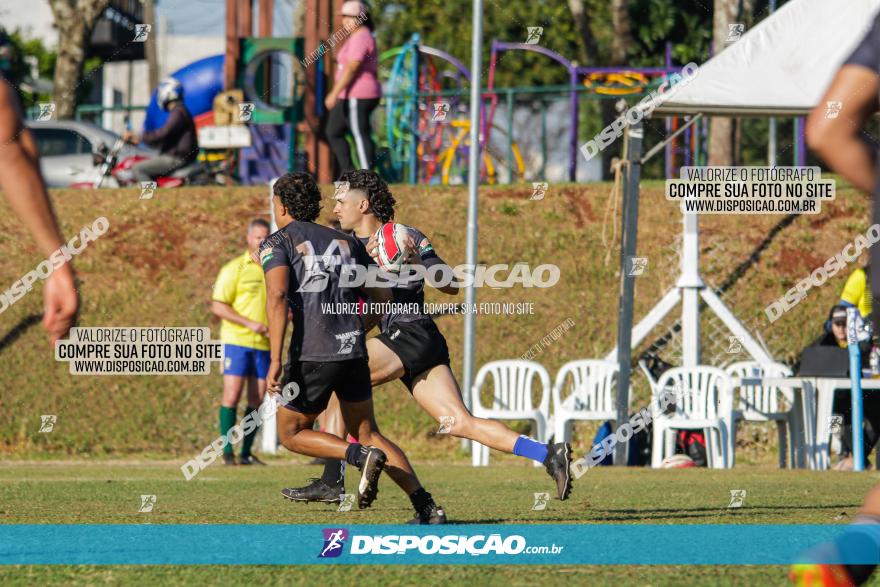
{"points": [[109, 492], [157, 263], [117, 438]]}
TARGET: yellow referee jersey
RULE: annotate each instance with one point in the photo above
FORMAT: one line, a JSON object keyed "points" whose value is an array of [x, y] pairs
{"points": [[857, 292], [240, 284]]}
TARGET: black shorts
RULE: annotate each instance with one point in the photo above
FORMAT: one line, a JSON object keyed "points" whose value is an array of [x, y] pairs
{"points": [[318, 380], [420, 346]]}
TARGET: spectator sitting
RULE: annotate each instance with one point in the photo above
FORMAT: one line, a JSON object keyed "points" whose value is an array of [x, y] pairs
{"points": [[835, 335]]}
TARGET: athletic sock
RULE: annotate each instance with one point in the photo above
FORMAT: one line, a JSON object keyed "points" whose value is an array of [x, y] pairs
{"points": [[227, 421], [248, 441], [531, 449], [334, 472], [420, 499], [355, 454]]}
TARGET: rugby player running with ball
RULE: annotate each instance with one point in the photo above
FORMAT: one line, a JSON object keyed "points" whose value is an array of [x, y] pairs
{"points": [[412, 349], [302, 264]]}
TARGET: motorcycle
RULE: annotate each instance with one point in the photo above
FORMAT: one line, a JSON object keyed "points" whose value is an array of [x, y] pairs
{"points": [[113, 172]]}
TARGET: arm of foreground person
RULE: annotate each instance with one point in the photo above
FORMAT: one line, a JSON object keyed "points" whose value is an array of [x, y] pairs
{"points": [[23, 187]]}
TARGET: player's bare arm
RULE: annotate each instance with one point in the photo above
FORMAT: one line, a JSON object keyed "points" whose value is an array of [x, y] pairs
{"points": [[276, 314], [23, 187], [840, 141]]}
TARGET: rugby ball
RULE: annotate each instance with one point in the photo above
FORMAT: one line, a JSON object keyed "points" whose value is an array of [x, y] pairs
{"points": [[390, 238], [677, 462]]}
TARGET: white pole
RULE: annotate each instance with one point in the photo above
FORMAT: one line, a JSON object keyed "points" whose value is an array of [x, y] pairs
{"points": [[690, 284], [771, 144], [470, 293], [771, 131]]}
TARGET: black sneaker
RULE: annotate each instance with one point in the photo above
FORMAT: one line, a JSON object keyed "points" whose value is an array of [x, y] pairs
{"points": [[317, 490], [368, 487], [558, 465], [431, 514], [229, 459], [250, 460]]}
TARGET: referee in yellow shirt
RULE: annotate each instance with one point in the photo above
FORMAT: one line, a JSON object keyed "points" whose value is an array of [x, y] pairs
{"points": [[239, 299]]}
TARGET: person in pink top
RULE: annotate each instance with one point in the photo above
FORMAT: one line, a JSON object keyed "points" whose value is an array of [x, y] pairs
{"points": [[356, 91]]}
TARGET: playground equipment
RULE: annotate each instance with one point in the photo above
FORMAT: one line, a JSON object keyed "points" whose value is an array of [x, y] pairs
{"points": [[423, 90], [454, 157], [613, 81], [273, 79]]}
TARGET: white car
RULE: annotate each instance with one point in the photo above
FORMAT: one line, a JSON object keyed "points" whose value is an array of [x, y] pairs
{"points": [[67, 150]]}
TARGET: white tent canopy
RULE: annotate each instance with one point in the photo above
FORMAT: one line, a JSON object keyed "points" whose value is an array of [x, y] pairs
{"points": [[782, 66]]}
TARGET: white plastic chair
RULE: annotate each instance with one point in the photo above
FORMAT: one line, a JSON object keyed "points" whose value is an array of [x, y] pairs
{"points": [[760, 403], [513, 382], [588, 386], [703, 401]]}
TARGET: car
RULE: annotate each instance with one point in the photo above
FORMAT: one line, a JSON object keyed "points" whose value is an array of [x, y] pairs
{"points": [[67, 150]]}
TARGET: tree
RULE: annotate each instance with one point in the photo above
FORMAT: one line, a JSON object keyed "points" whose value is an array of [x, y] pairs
{"points": [[620, 44], [589, 48], [150, 45], [446, 25], [21, 74], [74, 20], [721, 130]]}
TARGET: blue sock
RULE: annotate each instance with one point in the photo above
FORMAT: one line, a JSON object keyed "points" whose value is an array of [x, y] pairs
{"points": [[531, 449]]}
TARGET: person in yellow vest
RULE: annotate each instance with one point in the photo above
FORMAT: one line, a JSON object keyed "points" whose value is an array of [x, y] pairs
{"points": [[239, 299], [856, 293]]}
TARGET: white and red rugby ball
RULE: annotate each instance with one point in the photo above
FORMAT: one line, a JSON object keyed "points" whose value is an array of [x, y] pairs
{"points": [[677, 462], [390, 239]]}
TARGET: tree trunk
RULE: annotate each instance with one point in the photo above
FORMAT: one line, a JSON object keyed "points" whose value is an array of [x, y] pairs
{"points": [[622, 42], [150, 47], [721, 133], [74, 20], [620, 48], [590, 53]]}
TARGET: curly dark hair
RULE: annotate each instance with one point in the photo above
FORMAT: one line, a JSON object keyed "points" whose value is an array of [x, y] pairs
{"points": [[378, 194], [300, 195]]}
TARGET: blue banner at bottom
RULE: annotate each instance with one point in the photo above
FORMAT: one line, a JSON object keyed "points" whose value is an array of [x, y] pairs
{"points": [[562, 544]]}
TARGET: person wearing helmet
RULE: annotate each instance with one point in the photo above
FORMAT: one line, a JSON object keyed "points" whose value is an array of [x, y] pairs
{"points": [[176, 139]]}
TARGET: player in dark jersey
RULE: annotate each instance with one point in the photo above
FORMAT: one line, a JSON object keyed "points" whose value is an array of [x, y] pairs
{"points": [[302, 263], [412, 349], [836, 132]]}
